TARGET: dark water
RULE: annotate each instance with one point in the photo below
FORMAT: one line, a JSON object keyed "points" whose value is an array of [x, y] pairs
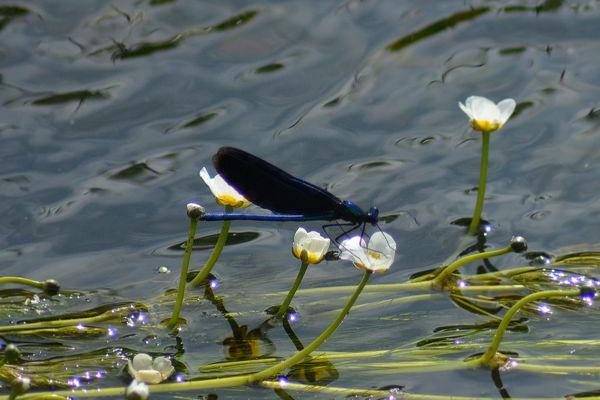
{"points": [[109, 110]]}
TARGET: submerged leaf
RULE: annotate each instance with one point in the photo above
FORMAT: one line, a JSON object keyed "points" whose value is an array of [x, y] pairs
{"points": [[8, 13], [142, 49], [435, 28], [67, 97], [236, 21]]}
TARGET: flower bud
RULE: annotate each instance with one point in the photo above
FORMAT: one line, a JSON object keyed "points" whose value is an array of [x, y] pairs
{"points": [[518, 244], [195, 211], [137, 391], [51, 287], [12, 354]]}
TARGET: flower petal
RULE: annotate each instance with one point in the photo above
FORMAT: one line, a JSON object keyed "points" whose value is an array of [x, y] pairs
{"points": [[466, 109], [312, 242], [354, 249], [484, 109], [299, 235], [384, 243], [506, 108], [142, 361], [151, 376], [164, 366], [224, 193]]}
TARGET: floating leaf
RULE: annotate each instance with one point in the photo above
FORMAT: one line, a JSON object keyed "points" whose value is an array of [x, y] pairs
{"points": [[209, 241]]}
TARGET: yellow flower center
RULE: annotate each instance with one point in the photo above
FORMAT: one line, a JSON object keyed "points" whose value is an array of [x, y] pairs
{"points": [[306, 256], [227, 200], [483, 125], [374, 255]]}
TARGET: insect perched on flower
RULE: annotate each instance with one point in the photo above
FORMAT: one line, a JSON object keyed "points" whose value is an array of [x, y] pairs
{"points": [[485, 115], [224, 193], [376, 256], [310, 247]]}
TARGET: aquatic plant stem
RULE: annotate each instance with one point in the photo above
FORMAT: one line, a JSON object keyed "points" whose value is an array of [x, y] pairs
{"points": [[301, 355], [487, 359], [214, 256], [21, 281], [189, 245], [288, 299], [485, 150], [240, 380], [441, 279]]}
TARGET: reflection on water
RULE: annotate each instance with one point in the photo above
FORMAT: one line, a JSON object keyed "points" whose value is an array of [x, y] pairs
{"points": [[109, 111]]}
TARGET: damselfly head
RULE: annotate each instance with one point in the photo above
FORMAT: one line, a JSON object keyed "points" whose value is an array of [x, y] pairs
{"points": [[373, 215]]}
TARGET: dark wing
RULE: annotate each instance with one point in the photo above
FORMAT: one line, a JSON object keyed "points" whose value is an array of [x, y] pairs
{"points": [[270, 187]]}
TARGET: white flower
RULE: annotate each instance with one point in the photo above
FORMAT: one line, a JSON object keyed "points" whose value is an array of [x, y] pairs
{"points": [[224, 193], [485, 115], [137, 391], [146, 370], [377, 256], [312, 244]]}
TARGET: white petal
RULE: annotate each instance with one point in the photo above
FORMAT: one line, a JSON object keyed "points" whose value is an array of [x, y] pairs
{"points": [[164, 366], [506, 107], [149, 376], [312, 235], [354, 249], [318, 245], [484, 109], [209, 181], [205, 177], [351, 246], [299, 236], [142, 361], [466, 110], [384, 243]]}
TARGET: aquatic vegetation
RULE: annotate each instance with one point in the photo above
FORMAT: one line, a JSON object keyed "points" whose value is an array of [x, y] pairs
{"points": [[506, 299], [486, 117], [143, 368], [310, 248], [375, 256], [224, 193], [229, 198]]}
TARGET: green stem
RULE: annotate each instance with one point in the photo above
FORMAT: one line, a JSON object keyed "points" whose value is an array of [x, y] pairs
{"points": [[210, 263], [301, 355], [286, 303], [485, 150], [384, 287], [189, 245], [21, 281], [486, 358], [115, 314], [241, 380], [443, 276]]}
